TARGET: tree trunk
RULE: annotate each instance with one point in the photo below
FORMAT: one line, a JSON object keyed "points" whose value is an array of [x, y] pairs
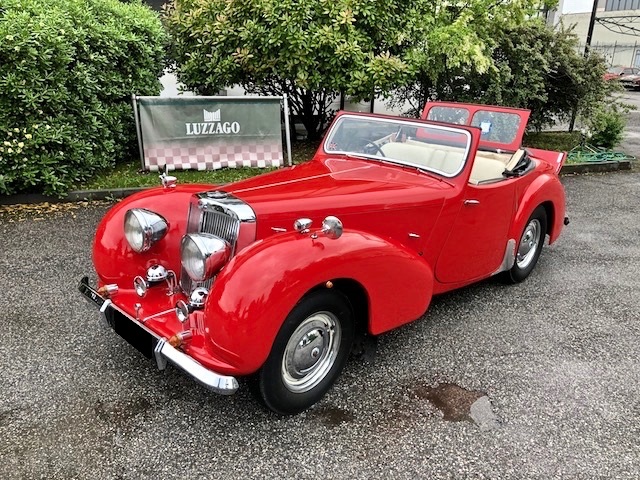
{"points": [[311, 121]]}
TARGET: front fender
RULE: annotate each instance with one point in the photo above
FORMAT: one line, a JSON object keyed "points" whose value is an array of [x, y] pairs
{"points": [[115, 260], [255, 292], [545, 190]]}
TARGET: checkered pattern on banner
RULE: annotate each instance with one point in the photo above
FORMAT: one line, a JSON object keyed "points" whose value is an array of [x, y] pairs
{"points": [[213, 157]]}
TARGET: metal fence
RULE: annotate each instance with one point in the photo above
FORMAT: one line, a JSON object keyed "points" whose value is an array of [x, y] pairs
{"points": [[626, 54]]}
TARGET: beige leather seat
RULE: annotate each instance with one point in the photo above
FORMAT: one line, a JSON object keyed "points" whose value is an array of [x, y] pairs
{"points": [[485, 169], [416, 154], [447, 161], [441, 159]]}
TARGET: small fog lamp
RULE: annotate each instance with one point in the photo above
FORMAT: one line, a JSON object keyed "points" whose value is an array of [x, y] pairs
{"points": [[157, 273], [302, 225], [198, 297], [332, 227]]}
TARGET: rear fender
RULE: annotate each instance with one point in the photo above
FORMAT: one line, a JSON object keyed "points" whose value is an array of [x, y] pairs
{"points": [[554, 159], [545, 190], [254, 293]]}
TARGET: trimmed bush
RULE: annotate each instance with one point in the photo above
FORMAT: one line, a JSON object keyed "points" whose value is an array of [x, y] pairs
{"points": [[607, 126], [67, 72]]}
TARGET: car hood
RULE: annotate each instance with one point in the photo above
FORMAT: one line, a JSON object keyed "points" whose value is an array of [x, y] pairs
{"points": [[346, 187]]}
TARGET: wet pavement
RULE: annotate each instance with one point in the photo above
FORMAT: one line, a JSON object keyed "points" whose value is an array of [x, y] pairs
{"points": [[556, 360]]}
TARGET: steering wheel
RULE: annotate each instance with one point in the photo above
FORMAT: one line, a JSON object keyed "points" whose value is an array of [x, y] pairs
{"points": [[372, 148]]}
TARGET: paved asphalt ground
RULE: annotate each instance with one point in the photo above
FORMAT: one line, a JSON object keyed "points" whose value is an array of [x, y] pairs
{"points": [[558, 357]]}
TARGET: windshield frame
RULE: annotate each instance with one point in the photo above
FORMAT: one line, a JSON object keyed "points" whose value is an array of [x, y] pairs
{"points": [[415, 123]]}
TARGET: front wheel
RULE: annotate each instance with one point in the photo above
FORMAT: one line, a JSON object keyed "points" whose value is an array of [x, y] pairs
{"points": [[308, 353], [529, 246]]}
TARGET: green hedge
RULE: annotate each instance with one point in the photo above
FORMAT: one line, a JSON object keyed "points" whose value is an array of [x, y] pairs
{"points": [[67, 72]]}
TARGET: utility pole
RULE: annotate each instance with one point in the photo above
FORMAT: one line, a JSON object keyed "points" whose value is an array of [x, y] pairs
{"points": [[592, 23], [587, 47]]}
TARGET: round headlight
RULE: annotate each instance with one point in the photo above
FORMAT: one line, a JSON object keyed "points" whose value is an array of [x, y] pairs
{"points": [[203, 255], [143, 228]]}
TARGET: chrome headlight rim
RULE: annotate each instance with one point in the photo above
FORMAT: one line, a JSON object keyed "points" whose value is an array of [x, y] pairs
{"points": [[144, 228], [202, 255]]}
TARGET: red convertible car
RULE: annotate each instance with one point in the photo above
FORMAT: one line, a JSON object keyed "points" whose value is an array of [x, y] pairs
{"points": [[273, 277]]}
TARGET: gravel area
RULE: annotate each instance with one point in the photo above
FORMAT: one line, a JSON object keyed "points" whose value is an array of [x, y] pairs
{"points": [[557, 357]]}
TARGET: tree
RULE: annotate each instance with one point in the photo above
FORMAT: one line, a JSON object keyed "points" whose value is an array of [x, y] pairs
{"points": [[310, 50], [458, 46], [313, 49], [531, 66], [67, 71]]}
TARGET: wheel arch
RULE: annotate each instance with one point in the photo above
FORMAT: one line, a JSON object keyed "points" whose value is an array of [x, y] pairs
{"points": [[545, 191], [552, 223], [386, 284], [357, 296]]}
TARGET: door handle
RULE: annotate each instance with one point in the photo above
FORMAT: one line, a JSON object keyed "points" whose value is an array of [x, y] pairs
{"points": [[472, 202]]}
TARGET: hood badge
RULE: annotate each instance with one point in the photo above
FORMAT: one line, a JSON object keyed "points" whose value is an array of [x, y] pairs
{"points": [[217, 194]]}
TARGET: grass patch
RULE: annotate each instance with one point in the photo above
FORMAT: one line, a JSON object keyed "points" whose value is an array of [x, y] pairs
{"points": [[129, 175]]}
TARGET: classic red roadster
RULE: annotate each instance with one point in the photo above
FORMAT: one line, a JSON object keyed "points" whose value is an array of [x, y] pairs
{"points": [[272, 277]]}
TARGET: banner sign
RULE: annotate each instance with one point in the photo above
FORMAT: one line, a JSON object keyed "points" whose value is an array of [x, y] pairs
{"points": [[208, 133]]}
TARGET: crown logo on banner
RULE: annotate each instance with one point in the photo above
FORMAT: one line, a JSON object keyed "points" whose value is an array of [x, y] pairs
{"points": [[211, 116]]}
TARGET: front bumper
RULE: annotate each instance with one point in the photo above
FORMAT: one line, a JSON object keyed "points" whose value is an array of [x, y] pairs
{"points": [[152, 345]]}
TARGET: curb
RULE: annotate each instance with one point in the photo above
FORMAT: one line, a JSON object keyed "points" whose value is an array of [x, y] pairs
{"points": [[118, 193], [73, 196], [595, 167]]}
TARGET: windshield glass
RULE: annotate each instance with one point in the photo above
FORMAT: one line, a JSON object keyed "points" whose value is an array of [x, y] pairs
{"points": [[442, 150]]}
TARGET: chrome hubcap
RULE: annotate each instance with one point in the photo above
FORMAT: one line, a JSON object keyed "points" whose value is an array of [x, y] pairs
{"points": [[529, 243], [311, 352]]}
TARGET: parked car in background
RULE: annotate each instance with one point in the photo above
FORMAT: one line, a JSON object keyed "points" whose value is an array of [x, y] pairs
{"points": [[273, 277], [630, 81], [615, 73]]}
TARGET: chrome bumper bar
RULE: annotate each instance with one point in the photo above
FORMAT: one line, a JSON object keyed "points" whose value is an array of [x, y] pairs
{"points": [[163, 351]]}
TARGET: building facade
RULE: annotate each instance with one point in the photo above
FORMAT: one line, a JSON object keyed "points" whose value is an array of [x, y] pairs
{"points": [[616, 34]]}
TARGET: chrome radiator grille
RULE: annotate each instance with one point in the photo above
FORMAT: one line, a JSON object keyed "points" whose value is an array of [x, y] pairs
{"points": [[219, 214], [221, 225]]}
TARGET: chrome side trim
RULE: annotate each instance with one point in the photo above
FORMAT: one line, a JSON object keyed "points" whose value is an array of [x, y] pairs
{"points": [[216, 382], [509, 257]]}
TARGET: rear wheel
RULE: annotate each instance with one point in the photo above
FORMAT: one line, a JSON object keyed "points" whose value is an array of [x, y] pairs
{"points": [[529, 247], [308, 353]]}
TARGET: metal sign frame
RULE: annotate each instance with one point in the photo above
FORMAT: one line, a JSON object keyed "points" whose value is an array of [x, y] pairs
{"points": [[284, 103]]}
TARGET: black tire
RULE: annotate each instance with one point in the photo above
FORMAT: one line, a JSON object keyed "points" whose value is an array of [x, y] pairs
{"points": [[296, 376], [529, 246]]}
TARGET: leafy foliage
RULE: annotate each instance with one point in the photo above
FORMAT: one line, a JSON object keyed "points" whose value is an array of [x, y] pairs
{"points": [[457, 53], [67, 72], [313, 49], [531, 66], [310, 50], [556, 141], [606, 125]]}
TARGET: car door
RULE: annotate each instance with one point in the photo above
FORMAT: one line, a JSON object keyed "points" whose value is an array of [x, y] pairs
{"points": [[477, 241]]}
